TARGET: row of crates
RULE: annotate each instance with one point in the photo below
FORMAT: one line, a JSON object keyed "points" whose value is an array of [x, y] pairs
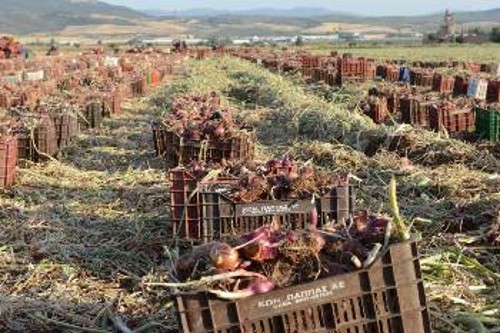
{"points": [[388, 296], [474, 87], [435, 115], [53, 132]]}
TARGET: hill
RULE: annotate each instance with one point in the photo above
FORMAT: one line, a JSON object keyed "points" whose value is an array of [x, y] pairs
{"points": [[96, 19], [32, 16]]}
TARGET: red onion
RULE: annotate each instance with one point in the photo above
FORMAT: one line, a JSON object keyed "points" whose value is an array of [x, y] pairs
{"points": [[287, 162], [254, 180], [318, 241], [219, 131], [261, 286], [306, 172]]}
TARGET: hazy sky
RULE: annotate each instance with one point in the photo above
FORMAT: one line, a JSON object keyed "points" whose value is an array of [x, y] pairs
{"points": [[367, 7]]}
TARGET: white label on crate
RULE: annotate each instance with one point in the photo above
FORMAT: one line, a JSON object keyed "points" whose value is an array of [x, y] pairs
{"points": [[303, 296], [269, 209]]}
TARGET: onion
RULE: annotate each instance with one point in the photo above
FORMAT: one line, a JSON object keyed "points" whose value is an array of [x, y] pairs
{"points": [[261, 286], [314, 214], [306, 172], [223, 256], [291, 236], [317, 241], [219, 131], [254, 180], [259, 245], [287, 162]]}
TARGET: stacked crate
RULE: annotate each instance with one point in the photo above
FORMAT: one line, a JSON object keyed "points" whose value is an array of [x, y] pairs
{"points": [[415, 111], [201, 213], [493, 91], [8, 160], [443, 83], [452, 118], [488, 123]]}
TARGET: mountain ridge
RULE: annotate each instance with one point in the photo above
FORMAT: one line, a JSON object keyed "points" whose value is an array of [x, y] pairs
{"points": [[95, 19]]}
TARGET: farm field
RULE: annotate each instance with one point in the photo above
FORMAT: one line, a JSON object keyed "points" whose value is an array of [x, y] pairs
{"points": [[487, 52], [86, 239]]}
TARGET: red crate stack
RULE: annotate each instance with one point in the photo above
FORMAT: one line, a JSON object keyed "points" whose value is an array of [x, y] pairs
{"points": [[8, 160], [455, 120], [461, 85], [443, 83], [391, 73], [493, 92]]}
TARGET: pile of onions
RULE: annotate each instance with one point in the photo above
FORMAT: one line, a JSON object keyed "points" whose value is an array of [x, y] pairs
{"points": [[247, 265], [200, 117]]}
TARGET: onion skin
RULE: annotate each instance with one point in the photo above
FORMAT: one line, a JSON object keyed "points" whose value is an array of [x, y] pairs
{"points": [[223, 256]]}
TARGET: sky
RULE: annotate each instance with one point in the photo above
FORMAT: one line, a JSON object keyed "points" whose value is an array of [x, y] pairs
{"points": [[362, 7]]}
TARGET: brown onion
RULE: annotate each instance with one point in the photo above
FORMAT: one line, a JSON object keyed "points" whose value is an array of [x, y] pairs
{"points": [[223, 256]]}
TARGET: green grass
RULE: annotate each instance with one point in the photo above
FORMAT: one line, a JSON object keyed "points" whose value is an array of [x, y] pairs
{"points": [[474, 53]]}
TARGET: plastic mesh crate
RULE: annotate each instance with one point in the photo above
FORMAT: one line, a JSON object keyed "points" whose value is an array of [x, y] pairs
{"points": [[414, 111], [443, 83], [36, 145], [454, 121], [387, 297], [488, 124], [421, 78], [94, 113], [66, 126], [461, 85], [8, 160], [493, 92], [178, 151], [199, 212]]}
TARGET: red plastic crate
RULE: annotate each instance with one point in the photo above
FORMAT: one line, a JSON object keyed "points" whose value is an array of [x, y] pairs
{"points": [[379, 111], [306, 72], [391, 73], [8, 160], [421, 78], [443, 84], [387, 297], [415, 112], [353, 67], [39, 144], [493, 92], [453, 120]]}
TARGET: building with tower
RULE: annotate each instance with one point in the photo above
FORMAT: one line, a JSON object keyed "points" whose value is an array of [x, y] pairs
{"points": [[447, 30]]}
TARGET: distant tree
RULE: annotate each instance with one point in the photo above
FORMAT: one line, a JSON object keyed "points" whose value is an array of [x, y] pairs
{"points": [[299, 41], [214, 41], [460, 39], [431, 38], [99, 42], [495, 34], [478, 31]]}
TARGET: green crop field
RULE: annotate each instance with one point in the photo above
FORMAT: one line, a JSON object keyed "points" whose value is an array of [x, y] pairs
{"points": [[475, 53]]}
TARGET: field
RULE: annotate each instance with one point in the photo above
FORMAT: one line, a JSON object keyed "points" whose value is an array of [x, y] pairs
{"points": [[487, 52], [85, 238]]}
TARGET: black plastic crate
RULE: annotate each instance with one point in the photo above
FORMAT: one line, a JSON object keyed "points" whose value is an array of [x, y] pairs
{"points": [[200, 212]]}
